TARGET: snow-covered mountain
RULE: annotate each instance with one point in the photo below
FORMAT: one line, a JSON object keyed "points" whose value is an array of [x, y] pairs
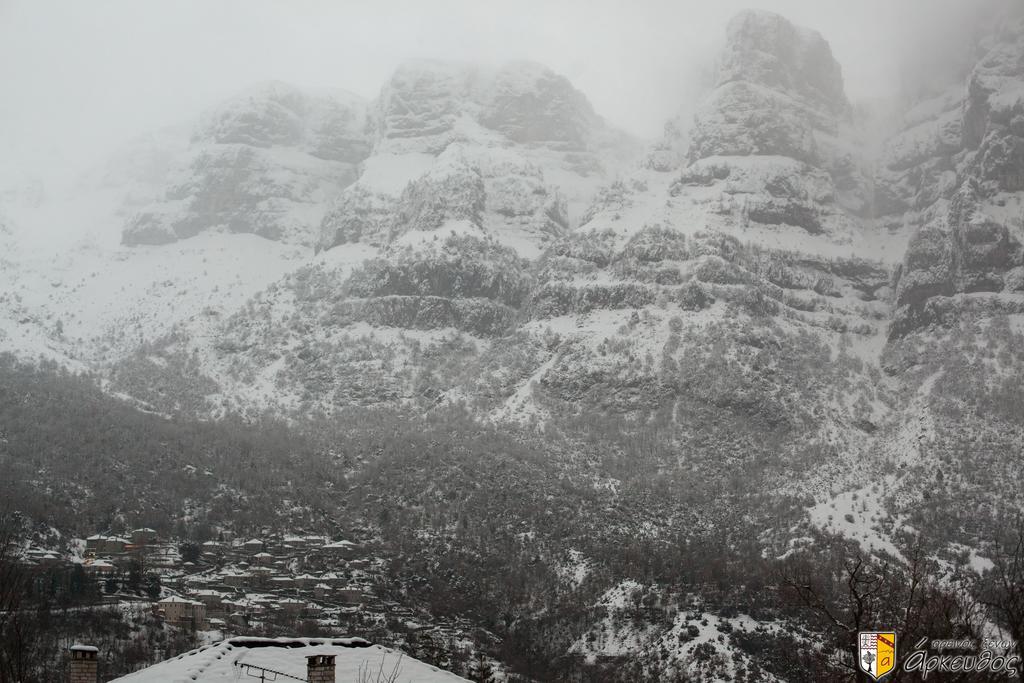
{"points": [[472, 175], [517, 151], [266, 162], [792, 309]]}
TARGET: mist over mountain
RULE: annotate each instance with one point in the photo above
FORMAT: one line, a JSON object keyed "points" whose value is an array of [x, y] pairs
{"points": [[593, 406]]}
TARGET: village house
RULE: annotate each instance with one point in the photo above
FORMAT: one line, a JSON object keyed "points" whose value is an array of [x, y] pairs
{"points": [[212, 551], [143, 536], [312, 611], [245, 606], [105, 545], [41, 558], [296, 542], [340, 549], [100, 566], [333, 579], [183, 612], [214, 600], [349, 595], [260, 575], [162, 556], [306, 581], [253, 546], [282, 582], [237, 579], [291, 606], [263, 558]]}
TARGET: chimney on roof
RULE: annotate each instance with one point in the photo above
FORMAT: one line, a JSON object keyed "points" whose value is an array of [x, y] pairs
{"points": [[320, 668], [83, 664]]}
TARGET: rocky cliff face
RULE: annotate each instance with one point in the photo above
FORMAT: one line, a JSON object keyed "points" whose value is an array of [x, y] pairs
{"points": [[513, 147], [265, 163], [779, 107], [468, 205], [483, 226], [778, 85], [432, 104], [965, 162], [766, 292], [472, 174]]}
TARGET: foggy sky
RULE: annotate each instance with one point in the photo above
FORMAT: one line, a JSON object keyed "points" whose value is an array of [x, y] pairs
{"points": [[82, 77]]}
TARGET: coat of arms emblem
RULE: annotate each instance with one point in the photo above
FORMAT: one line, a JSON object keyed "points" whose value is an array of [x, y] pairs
{"points": [[876, 652]]}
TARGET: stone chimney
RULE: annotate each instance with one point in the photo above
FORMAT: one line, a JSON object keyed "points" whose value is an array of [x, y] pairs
{"points": [[83, 664], [320, 668]]}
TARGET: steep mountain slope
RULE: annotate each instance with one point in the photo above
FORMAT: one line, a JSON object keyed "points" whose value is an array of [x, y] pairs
{"points": [[488, 245], [690, 300], [473, 173], [955, 338], [732, 350], [516, 150], [265, 162], [690, 296]]}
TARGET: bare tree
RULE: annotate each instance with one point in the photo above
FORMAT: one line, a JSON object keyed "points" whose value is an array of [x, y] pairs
{"points": [[368, 673], [16, 631], [869, 595], [1002, 589]]}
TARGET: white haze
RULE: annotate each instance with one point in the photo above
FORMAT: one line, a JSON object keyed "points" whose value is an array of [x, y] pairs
{"points": [[80, 78]]}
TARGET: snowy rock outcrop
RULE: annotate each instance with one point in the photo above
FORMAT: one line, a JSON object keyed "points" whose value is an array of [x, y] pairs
{"points": [[778, 85], [771, 136], [267, 162], [993, 118], [513, 150], [528, 103], [968, 177], [473, 173], [432, 104]]}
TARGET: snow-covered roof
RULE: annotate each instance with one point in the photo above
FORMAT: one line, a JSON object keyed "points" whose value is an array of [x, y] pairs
{"points": [[220, 662], [175, 598]]}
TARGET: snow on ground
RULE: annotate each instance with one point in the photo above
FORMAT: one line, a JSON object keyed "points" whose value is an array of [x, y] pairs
{"points": [[692, 642], [649, 202], [858, 515], [95, 304], [619, 595], [390, 173], [414, 238], [520, 405], [974, 561], [575, 569]]}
